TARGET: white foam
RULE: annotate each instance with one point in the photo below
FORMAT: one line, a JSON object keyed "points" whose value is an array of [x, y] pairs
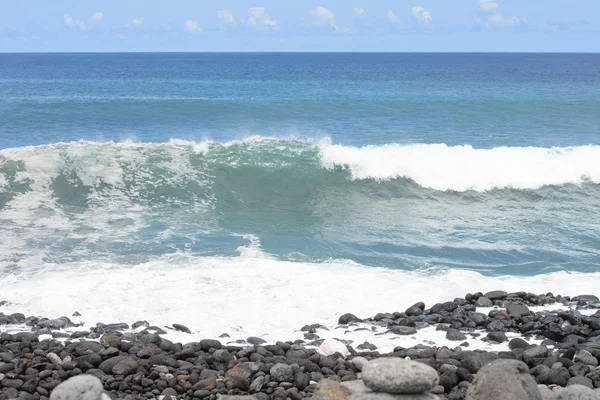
{"points": [[245, 296], [461, 168]]}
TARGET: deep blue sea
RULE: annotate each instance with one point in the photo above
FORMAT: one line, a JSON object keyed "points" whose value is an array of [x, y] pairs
{"points": [[417, 163]]}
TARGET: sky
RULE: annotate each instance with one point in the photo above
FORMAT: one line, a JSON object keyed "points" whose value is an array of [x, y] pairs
{"points": [[293, 25]]}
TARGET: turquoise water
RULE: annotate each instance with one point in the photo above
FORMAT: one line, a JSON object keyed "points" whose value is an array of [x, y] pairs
{"points": [[485, 162]]}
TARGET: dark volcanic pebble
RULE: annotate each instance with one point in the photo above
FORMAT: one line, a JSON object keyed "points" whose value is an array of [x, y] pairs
{"points": [[145, 365]]}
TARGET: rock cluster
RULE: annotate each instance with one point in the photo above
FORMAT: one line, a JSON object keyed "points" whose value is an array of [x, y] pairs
{"points": [[145, 365]]}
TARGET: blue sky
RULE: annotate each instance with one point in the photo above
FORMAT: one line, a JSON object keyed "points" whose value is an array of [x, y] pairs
{"points": [[308, 25]]}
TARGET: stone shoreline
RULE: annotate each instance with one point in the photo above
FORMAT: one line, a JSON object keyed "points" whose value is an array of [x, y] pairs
{"points": [[144, 365]]}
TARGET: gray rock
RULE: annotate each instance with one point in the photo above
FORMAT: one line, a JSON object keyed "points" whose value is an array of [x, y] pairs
{"points": [[546, 393], [581, 381], [257, 384], [81, 387], [496, 295], [181, 328], [517, 310], [504, 380], [359, 362], [54, 359], [255, 340], [483, 302], [107, 365], [387, 396], [534, 352], [517, 343], [282, 373], [455, 335], [347, 318], [222, 397], [125, 367], [403, 330], [57, 323], [587, 358], [577, 392], [397, 375]]}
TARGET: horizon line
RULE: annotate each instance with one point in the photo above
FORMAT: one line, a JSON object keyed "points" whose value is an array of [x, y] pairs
{"points": [[300, 52]]}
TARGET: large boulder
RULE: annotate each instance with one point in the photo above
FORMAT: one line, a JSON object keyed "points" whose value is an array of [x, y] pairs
{"points": [[504, 380], [397, 375], [81, 387]]}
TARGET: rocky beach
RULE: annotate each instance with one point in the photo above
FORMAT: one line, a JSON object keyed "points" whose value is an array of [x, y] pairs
{"points": [[493, 345]]}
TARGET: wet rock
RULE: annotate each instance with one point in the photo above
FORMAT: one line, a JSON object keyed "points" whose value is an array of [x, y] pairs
{"points": [[483, 302], [499, 337], [517, 343], [403, 330], [517, 310], [348, 318], [397, 375], [504, 380], [496, 295], [455, 335], [255, 340], [181, 328]]}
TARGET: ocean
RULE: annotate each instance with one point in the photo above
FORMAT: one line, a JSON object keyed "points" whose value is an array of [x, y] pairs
{"points": [[255, 193]]}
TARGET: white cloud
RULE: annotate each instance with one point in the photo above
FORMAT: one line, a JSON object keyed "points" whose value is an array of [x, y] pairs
{"points": [[260, 20], [391, 16], [420, 14], [69, 21], [496, 20], [488, 6], [359, 12], [136, 23], [321, 16], [499, 21], [81, 25], [226, 16], [192, 26], [122, 36]]}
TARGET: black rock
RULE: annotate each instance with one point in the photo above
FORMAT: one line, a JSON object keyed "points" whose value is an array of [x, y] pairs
{"points": [[181, 328], [517, 310], [483, 302], [580, 380], [499, 337], [207, 344], [255, 340], [496, 295], [348, 318], [517, 343], [455, 335]]}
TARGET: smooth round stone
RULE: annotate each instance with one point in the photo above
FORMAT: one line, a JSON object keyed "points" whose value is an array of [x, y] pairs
{"points": [[397, 375], [81, 387], [504, 380], [577, 392]]}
